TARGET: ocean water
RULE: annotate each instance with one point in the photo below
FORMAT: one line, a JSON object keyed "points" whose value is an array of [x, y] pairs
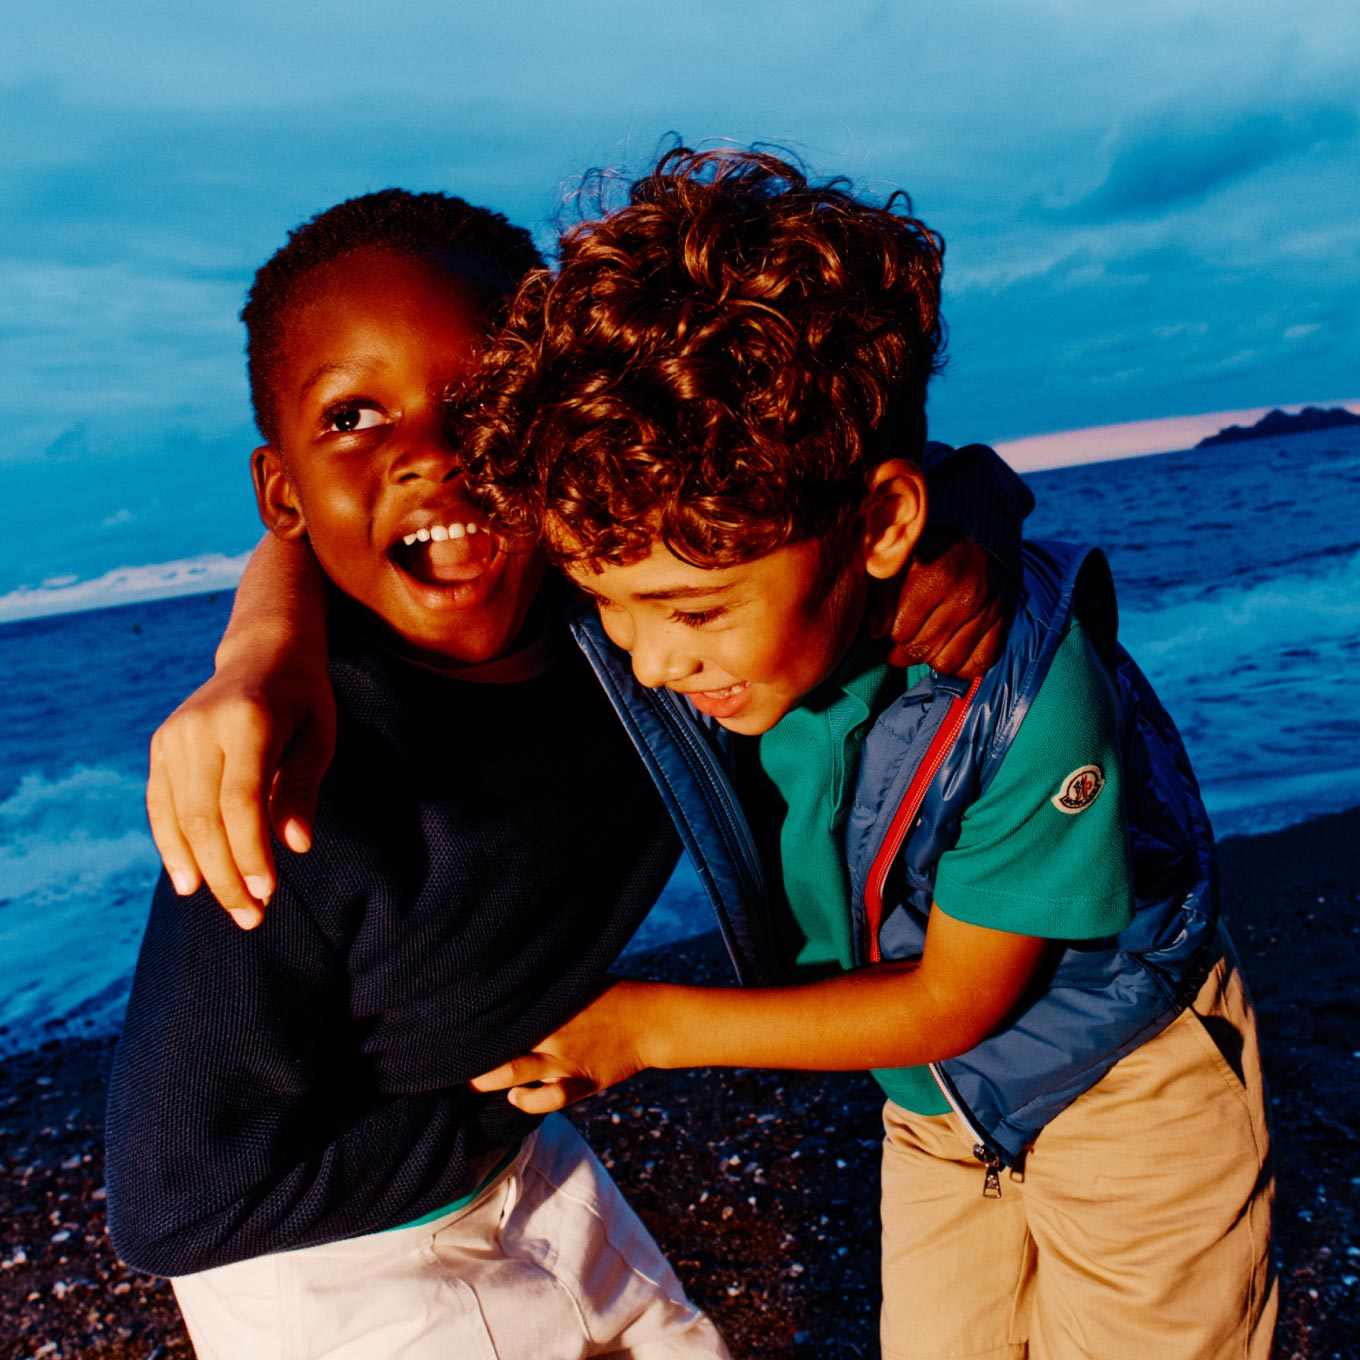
{"points": [[1238, 572]]}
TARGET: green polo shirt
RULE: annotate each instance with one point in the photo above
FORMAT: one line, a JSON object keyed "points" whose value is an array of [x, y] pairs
{"points": [[1042, 852]]}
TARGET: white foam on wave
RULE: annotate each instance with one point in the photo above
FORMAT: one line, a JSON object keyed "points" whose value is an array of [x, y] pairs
{"points": [[76, 870], [1258, 679], [124, 585], [1295, 611]]}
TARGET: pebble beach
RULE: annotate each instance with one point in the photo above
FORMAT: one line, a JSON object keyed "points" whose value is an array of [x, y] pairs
{"points": [[762, 1187]]}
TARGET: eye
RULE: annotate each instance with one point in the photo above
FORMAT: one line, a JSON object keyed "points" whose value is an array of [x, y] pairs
{"points": [[349, 417], [696, 618]]}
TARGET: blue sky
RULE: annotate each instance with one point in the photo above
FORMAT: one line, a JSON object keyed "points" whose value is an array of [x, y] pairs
{"points": [[1149, 211]]}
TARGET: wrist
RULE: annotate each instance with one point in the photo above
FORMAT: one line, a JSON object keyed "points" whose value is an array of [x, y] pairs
{"points": [[666, 1023], [637, 1012], [263, 644]]}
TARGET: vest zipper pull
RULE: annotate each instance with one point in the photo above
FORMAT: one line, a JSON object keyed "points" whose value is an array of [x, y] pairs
{"points": [[991, 1184]]}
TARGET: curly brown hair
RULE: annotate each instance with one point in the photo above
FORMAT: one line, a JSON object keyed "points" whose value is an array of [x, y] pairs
{"points": [[719, 363]]}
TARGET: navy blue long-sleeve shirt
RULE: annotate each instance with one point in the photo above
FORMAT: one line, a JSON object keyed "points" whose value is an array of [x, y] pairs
{"points": [[482, 853]]}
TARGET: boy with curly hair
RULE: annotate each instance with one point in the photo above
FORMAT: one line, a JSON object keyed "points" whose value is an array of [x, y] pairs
{"points": [[1002, 892]]}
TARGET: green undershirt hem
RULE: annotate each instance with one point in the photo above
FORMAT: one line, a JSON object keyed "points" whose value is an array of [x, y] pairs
{"points": [[463, 1201]]}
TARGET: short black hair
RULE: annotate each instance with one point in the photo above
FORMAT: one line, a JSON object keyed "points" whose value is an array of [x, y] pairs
{"points": [[483, 248]]}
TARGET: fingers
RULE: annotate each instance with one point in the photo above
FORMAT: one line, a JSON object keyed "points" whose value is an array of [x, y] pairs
{"points": [[224, 818], [974, 642], [553, 1095], [951, 613], [506, 1075], [536, 1083], [173, 849], [205, 808], [539, 1099], [937, 598], [292, 805]]}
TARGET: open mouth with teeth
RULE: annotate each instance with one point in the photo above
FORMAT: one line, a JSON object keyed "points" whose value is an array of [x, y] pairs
{"points": [[445, 554]]}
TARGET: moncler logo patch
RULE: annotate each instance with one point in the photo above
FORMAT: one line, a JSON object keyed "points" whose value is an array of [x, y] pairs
{"points": [[1080, 789]]}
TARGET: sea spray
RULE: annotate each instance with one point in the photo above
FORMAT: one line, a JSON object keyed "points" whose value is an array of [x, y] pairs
{"points": [[76, 870]]}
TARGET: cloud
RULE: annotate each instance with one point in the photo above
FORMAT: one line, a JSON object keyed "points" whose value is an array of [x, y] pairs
{"points": [[67, 593], [1175, 157], [152, 160]]}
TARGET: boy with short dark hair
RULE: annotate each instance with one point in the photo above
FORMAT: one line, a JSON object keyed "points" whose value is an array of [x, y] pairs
{"points": [[714, 411], [291, 1133], [291, 1136]]}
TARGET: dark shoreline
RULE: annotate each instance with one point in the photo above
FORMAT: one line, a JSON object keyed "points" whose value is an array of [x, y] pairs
{"points": [[763, 1186]]}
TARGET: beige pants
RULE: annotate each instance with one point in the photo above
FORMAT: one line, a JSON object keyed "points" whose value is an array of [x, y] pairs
{"points": [[1136, 1228], [549, 1263]]}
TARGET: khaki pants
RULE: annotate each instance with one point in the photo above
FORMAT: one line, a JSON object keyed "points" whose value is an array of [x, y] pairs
{"points": [[549, 1263], [1136, 1228]]}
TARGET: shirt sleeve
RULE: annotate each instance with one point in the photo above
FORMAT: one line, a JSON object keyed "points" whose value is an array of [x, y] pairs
{"points": [[976, 494], [1044, 850], [242, 1120]]}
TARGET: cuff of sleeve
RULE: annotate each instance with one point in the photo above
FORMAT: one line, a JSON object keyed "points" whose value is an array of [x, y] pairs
{"points": [[974, 492]]}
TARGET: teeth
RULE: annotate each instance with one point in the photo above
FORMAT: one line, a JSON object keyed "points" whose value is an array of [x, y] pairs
{"points": [[438, 533]]}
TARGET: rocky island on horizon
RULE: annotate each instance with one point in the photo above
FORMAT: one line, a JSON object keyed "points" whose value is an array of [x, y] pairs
{"points": [[1276, 423]]}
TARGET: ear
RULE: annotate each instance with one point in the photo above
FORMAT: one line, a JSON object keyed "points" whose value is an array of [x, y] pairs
{"points": [[278, 502], [894, 516]]}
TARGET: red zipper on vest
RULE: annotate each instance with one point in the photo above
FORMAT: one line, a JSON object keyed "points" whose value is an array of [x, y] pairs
{"points": [[905, 815]]}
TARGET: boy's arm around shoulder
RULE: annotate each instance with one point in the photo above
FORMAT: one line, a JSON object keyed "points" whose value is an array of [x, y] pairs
{"points": [[251, 744], [242, 1116]]}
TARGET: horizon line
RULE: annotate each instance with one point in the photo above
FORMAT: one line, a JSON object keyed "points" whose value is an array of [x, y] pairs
{"points": [[1138, 438], [1058, 449]]}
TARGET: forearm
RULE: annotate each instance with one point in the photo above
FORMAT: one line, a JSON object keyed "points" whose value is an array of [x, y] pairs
{"points": [[884, 1016], [280, 603], [967, 982]]}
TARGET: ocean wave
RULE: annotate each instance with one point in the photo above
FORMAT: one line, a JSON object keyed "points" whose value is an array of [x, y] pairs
{"points": [[124, 585], [1303, 612], [76, 870], [1258, 679], [70, 834]]}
